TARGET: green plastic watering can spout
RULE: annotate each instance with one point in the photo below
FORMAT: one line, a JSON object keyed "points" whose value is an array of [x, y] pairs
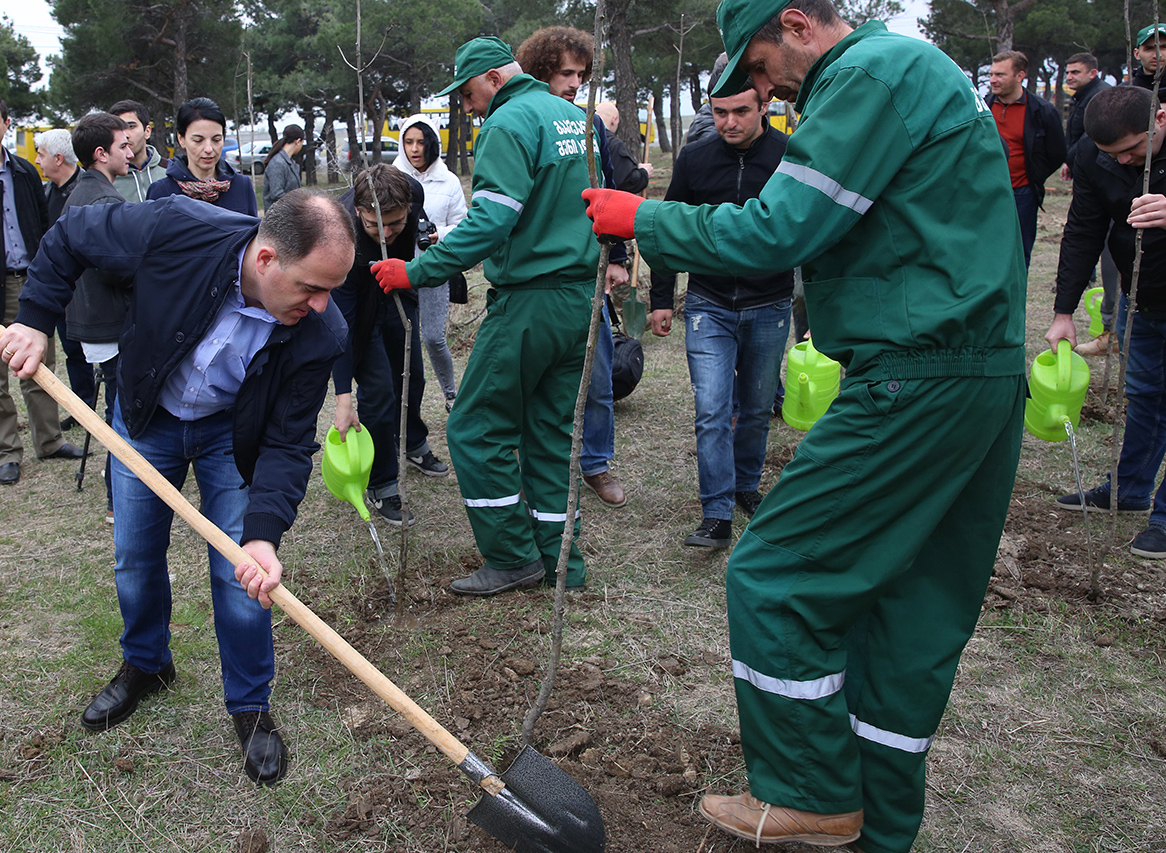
{"points": [[804, 401]]}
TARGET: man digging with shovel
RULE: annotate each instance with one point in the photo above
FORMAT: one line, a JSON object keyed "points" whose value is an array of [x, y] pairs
{"points": [[223, 366], [859, 580]]}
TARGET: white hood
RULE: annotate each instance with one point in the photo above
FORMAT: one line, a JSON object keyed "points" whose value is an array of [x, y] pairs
{"points": [[437, 167]]}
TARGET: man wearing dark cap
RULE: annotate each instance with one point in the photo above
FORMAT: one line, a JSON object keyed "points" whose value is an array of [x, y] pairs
{"points": [[859, 580], [518, 392], [1150, 44]]}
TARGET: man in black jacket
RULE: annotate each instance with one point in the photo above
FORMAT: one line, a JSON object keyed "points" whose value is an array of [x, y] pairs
{"points": [[1081, 76], [375, 355], [1107, 198], [223, 364], [95, 317], [1031, 127], [631, 175], [1147, 53], [736, 325], [25, 220]]}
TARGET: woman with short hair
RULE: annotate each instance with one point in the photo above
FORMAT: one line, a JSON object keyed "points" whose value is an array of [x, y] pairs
{"points": [[198, 169]]}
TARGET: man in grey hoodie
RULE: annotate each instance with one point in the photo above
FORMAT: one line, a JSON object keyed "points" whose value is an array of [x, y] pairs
{"points": [[147, 164]]}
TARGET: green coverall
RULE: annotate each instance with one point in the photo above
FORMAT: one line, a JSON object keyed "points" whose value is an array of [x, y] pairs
{"points": [[858, 582], [510, 430]]}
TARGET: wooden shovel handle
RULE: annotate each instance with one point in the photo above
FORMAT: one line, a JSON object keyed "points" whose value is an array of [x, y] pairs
{"points": [[336, 645]]}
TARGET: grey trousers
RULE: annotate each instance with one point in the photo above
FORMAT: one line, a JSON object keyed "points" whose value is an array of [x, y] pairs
{"points": [[43, 416], [433, 309]]}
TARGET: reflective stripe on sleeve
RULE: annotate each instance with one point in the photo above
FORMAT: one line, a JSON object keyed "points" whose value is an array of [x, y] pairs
{"points": [[895, 741], [814, 689], [499, 198], [826, 185], [509, 500]]}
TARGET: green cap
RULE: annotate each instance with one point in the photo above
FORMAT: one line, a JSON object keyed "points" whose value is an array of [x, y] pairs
{"points": [[739, 21], [1145, 33], [477, 57]]}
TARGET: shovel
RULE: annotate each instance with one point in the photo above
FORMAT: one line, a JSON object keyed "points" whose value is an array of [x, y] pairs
{"points": [[532, 807]]}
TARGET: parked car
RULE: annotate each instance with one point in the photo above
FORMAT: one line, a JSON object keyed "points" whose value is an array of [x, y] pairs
{"points": [[350, 159], [242, 157]]}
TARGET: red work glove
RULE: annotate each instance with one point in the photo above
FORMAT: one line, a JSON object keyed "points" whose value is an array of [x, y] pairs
{"points": [[612, 212], [391, 275]]}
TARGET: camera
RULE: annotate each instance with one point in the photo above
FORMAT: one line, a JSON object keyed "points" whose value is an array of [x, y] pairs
{"points": [[425, 232]]}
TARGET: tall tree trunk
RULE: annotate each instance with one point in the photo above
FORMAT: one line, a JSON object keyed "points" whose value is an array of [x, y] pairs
{"points": [[625, 76], [454, 148], [181, 82], [308, 111], [330, 145], [353, 142], [695, 92], [272, 130], [662, 134]]}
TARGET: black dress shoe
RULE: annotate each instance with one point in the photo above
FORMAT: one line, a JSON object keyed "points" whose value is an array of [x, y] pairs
{"points": [[66, 451], [264, 755], [68, 423], [9, 473], [119, 699]]}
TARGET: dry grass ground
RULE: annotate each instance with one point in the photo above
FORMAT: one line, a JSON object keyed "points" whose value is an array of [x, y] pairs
{"points": [[1055, 739]]}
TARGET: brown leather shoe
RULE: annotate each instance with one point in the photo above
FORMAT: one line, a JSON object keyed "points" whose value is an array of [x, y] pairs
{"points": [[1099, 346], [607, 488], [745, 816]]}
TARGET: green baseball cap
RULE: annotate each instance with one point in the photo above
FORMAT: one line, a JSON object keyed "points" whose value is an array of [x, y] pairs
{"points": [[478, 56], [1145, 33], [739, 21]]}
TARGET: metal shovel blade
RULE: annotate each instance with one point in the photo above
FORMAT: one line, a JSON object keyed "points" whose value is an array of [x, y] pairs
{"points": [[541, 810], [635, 315]]}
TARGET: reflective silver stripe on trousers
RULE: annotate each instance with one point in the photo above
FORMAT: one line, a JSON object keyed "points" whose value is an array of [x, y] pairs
{"points": [[901, 742], [828, 186], [550, 516], [497, 197], [510, 500], [815, 689]]}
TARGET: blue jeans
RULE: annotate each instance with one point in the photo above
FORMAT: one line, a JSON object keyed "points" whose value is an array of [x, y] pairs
{"points": [[141, 538], [1026, 208], [1144, 443], [599, 412], [379, 382], [728, 349]]}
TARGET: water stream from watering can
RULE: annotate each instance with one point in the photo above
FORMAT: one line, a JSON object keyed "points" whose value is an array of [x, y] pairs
{"points": [[1080, 489], [376, 540]]}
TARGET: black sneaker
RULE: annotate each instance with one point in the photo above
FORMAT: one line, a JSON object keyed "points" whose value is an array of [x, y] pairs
{"points": [[1151, 543], [429, 465], [390, 509], [1099, 499], [748, 501], [712, 533]]}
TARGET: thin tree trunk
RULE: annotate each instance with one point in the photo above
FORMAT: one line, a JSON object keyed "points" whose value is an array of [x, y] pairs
{"points": [[309, 114], [662, 135], [181, 82], [626, 90]]}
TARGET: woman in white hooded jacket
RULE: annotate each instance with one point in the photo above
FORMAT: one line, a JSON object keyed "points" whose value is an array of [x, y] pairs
{"points": [[445, 205]]}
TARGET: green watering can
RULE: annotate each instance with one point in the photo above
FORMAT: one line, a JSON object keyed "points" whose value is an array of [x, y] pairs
{"points": [[1057, 384], [346, 466], [812, 382], [1093, 297]]}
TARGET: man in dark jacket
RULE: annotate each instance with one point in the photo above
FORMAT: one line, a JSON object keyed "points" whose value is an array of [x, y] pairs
{"points": [[1033, 133], [736, 325], [375, 355], [1107, 198], [25, 219], [97, 313], [1081, 76], [225, 360], [1147, 53]]}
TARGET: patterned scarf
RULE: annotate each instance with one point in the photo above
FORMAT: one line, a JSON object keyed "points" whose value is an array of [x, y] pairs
{"points": [[204, 190]]}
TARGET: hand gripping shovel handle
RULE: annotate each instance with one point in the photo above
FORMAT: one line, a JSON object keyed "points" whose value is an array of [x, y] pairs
{"points": [[336, 645]]}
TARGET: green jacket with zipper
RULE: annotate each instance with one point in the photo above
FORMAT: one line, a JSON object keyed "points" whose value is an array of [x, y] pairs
{"points": [[894, 197], [526, 221]]}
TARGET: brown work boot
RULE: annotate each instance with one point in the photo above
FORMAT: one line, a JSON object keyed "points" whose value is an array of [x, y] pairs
{"points": [[1099, 346], [745, 816], [607, 487]]}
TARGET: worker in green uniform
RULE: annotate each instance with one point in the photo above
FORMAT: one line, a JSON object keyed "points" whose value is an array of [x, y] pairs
{"points": [[859, 580], [518, 392]]}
